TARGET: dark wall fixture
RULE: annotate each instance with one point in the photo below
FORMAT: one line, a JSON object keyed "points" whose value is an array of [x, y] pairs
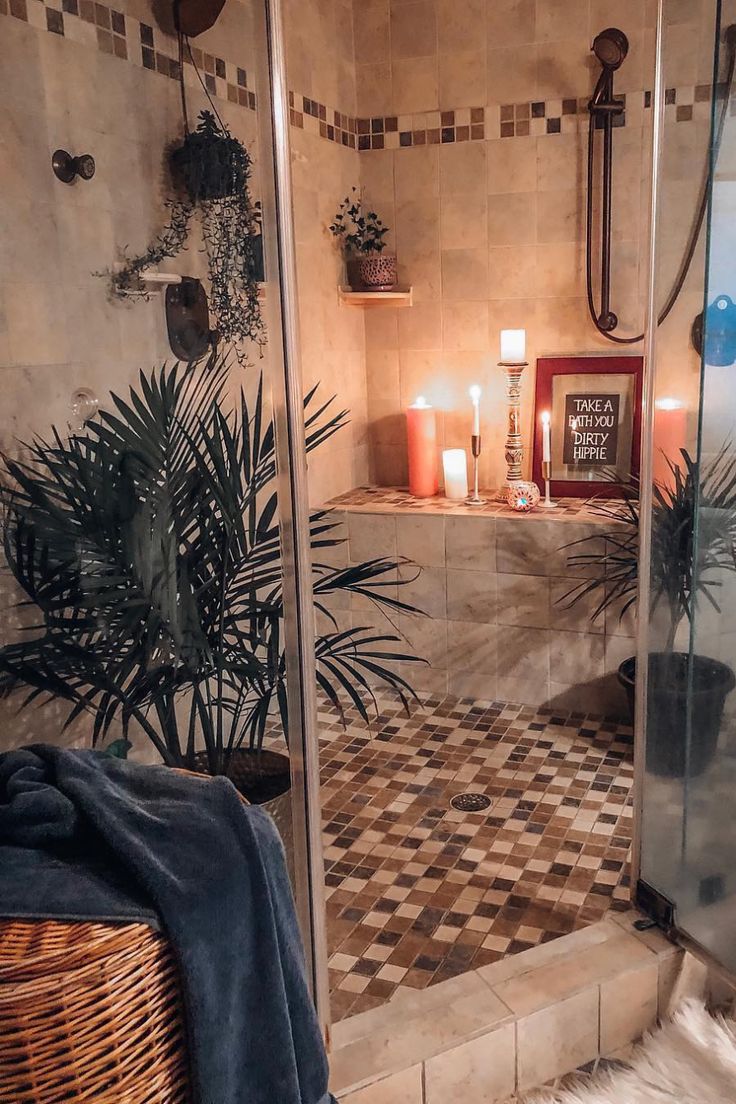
{"points": [[188, 17], [611, 47], [193, 17], [67, 168], [188, 321]]}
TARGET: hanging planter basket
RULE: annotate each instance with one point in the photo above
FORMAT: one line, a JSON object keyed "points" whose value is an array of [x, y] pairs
{"points": [[210, 171], [210, 163]]}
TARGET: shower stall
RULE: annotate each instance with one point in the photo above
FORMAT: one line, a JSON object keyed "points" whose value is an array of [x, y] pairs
{"points": [[97, 290]]}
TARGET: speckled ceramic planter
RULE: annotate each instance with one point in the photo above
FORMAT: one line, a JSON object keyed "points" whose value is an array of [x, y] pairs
{"points": [[375, 272]]}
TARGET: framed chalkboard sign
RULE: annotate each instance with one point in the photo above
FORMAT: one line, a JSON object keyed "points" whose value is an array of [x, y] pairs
{"points": [[595, 412]]}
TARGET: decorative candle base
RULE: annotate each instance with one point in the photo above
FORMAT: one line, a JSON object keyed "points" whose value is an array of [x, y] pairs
{"points": [[474, 498], [514, 451], [547, 503]]}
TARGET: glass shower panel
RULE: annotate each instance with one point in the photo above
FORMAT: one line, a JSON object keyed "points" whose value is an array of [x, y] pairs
{"points": [[687, 843], [152, 421]]}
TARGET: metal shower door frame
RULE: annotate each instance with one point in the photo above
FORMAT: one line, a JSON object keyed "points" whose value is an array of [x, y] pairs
{"points": [[293, 499]]}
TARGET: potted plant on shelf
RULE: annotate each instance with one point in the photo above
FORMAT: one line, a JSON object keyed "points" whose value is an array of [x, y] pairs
{"points": [[693, 543], [361, 235], [149, 550]]}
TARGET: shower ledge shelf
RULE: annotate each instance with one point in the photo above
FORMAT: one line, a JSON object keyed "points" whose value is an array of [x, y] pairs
{"points": [[401, 297]]}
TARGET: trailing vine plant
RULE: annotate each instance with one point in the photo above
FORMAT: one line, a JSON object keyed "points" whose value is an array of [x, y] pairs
{"points": [[211, 172]]}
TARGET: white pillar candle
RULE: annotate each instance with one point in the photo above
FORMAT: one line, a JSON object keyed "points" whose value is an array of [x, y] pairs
{"points": [[546, 449], [475, 398], [455, 468], [513, 346]]}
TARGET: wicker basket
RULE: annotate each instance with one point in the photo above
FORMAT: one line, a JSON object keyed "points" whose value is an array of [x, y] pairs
{"points": [[89, 1012]]}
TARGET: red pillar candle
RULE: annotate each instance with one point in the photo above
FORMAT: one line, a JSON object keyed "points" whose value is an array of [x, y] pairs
{"points": [[670, 435], [421, 433]]}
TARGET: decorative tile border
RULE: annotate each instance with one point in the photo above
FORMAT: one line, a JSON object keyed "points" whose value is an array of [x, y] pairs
{"points": [[99, 26], [534, 118], [93, 24], [325, 122]]}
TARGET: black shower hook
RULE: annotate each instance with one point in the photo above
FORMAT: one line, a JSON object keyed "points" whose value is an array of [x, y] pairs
{"points": [[67, 167]]}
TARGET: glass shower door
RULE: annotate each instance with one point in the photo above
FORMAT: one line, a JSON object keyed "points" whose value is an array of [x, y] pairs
{"points": [[152, 411], [686, 699]]}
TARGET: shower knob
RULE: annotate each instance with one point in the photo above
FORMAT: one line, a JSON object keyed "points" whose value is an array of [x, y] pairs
{"points": [[67, 167]]}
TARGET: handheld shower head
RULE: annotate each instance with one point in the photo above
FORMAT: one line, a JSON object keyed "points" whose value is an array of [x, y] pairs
{"points": [[610, 47]]}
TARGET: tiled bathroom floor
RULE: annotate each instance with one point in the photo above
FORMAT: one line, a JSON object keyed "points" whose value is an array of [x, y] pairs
{"points": [[419, 892]]}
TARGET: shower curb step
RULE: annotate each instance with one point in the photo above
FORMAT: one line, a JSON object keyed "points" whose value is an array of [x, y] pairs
{"points": [[517, 1024]]}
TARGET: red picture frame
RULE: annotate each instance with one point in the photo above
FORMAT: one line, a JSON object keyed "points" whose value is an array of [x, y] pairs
{"points": [[548, 368]]}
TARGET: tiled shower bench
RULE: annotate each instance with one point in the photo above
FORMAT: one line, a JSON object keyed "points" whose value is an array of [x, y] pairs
{"points": [[492, 584]]}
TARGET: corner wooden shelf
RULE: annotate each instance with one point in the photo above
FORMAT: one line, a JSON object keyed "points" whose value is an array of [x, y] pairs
{"points": [[401, 297]]}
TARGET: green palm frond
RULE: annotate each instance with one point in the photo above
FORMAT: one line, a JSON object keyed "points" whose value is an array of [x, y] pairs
{"points": [[693, 541], [149, 551]]}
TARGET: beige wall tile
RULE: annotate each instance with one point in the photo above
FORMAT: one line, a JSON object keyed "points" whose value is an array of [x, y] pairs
{"points": [[560, 18], [459, 26], [481, 1070], [477, 686], [465, 325], [425, 589], [559, 216], [566, 68], [557, 1040], [463, 224], [421, 539], [417, 173], [472, 647], [371, 29], [400, 1088], [463, 167], [463, 79], [576, 657], [371, 535], [512, 271], [524, 600], [413, 29], [512, 75], [512, 165], [375, 93], [511, 22], [470, 543], [415, 85], [524, 548], [512, 219], [427, 639], [465, 274], [628, 1007], [524, 654], [472, 596]]}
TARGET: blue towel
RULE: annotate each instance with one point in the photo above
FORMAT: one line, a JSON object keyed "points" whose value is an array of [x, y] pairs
{"points": [[85, 836]]}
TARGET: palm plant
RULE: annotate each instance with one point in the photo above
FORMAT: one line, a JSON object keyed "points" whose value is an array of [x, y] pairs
{"points": [[149, 551], [693, 542]]}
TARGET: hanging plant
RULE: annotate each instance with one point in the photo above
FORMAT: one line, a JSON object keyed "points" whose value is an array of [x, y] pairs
{"points": [[211, 171]]}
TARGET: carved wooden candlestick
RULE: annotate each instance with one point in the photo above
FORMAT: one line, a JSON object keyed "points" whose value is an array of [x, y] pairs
{"points": [[514, 448]]}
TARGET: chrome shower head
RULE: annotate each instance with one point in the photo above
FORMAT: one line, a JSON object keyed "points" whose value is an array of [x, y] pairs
{"points": [[610, 47]]}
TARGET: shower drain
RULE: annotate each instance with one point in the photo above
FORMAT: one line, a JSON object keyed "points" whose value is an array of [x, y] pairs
{"points": [[470, 802]]}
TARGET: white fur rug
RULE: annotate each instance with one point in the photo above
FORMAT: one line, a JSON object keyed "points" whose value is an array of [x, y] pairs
{"points": [[691, 1059]]}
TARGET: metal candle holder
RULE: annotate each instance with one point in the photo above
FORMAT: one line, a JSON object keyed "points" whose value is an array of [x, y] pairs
{"points": [[514, 449], [474, 499], [547, 503]]}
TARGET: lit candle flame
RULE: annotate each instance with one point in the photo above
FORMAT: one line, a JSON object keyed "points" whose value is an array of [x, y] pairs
{"points": [[420, 403], [546, 417], [475, 393]]}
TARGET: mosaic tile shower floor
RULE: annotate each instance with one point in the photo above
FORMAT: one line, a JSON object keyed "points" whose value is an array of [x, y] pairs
{"points": [[419, 892]]}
